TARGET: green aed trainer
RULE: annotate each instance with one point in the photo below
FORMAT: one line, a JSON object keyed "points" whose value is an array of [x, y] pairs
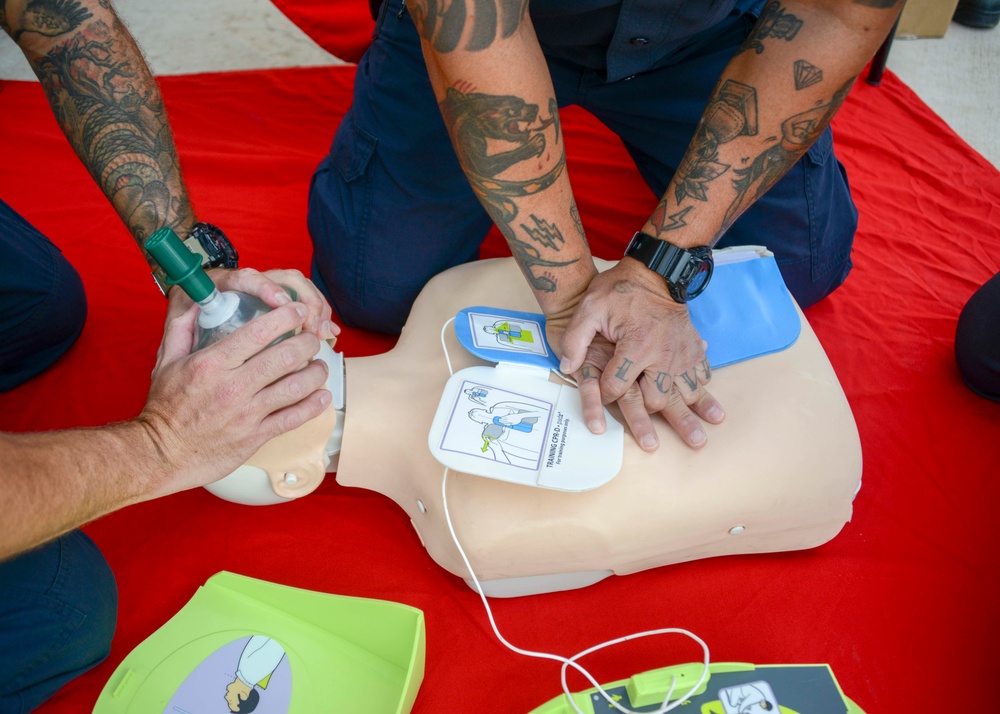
{"points": [[731, 688]]}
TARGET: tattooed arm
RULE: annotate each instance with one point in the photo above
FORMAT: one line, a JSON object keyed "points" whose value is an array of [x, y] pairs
{"points": [[499, 106], [108, 105], [773, 99]]}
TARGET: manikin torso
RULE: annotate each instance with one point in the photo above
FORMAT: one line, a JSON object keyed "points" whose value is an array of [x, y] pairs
{"points": [[779, 474]]}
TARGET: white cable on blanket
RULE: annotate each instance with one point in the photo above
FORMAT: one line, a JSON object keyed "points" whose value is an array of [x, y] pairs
{"points": [[571, 661]]}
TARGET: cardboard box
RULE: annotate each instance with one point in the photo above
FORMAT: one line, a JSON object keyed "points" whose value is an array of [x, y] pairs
{"points": [[925, 18]]}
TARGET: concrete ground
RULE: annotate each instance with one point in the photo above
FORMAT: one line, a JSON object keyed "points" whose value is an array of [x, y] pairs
{"points": [[957, 76]]}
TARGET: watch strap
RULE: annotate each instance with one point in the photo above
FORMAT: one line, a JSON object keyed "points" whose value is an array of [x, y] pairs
{"points": [[677, 266]]}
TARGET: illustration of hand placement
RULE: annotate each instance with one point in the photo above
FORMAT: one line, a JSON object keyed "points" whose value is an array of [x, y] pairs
{"points": [[628, 342]]}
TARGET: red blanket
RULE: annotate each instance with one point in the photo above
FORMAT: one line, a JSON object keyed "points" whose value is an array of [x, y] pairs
{"points": [[902, 603]]}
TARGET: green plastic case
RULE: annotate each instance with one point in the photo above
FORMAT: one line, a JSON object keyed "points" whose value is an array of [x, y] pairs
{"points": [[340, 653]]}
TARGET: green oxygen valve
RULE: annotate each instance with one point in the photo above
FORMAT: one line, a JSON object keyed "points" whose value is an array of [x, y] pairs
{"points": [[221, 312], [183, 268]]}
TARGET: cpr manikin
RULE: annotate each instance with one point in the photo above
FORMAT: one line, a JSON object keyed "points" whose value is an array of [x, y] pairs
{"points": [[779, 474]]}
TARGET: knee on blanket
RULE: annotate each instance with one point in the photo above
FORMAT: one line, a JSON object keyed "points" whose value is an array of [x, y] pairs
{"points": [[977, 340]]}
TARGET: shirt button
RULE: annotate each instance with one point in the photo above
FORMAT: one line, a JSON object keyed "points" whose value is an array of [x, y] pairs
{"points": [[639, 41]]}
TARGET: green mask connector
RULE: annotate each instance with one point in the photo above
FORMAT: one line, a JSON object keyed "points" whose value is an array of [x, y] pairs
{"points": [[181, 265]]}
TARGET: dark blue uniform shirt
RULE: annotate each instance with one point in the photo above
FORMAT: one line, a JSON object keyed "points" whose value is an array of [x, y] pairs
{"points": [[620, 38]]}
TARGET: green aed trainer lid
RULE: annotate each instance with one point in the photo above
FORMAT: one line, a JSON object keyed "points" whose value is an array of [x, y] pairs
{"points": [[242, 645], [181, 265]]}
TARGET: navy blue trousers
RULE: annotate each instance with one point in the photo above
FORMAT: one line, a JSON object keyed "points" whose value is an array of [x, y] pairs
{"points": [[42, 303], [58, 606], [977, 340], [390, 207], [58, 603]]}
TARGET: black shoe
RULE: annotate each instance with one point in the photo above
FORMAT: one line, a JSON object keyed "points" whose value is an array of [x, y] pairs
{"points": [[978, 13]]}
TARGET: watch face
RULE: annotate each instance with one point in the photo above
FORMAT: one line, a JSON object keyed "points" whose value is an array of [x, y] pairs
{"points": [[700, 280]]}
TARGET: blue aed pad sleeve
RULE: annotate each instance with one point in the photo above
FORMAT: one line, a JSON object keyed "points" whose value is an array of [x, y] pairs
{"points": [[746, 312]]}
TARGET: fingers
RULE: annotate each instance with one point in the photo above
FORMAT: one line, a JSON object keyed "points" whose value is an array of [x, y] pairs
{"points": [[634, 410], [285, 358], [178, 338], [292, 388], [575, 341], [296, 415], [621, 373], [309, 295], [691, 385], [255, 336], [688, 400], [270, 287], [589, 386]]}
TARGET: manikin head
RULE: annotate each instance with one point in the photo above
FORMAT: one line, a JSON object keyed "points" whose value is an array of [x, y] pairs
{"points": [[294, 464]]}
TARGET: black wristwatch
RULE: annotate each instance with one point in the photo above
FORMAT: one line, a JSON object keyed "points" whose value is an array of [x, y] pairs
{"points": [[211, 244], [686, 270]]}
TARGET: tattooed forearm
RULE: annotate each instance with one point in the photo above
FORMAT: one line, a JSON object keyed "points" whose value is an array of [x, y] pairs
{"points": [[482, 22], [50, 18], [545, 233], [664, 222], [477, 122], [797, 135], [732, 112], [492, 134], [773, 22], [108, 105], [574, 213], [529, 259]]}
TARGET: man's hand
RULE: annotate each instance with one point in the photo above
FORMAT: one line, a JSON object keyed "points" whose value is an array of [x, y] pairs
{"points": [[269, 287], [209, 411], [628, 341]]}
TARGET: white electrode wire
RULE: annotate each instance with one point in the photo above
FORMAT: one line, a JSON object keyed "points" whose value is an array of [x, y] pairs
{"points": [[445, 347], [571, 661]]}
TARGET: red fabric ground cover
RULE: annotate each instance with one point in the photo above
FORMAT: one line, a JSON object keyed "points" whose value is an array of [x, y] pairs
{"points": [[341, 27], [902, 603]]}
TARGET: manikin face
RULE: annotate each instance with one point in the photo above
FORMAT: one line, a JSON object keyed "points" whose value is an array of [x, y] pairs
{"points": [[293, 464]]}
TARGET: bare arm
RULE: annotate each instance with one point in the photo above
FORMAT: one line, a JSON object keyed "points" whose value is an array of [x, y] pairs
{"points": [[205, 415], [774, 98], [108, 105]]}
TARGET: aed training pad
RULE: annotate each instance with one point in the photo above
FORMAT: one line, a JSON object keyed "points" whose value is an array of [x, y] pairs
{"points": [[246, 645]]}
